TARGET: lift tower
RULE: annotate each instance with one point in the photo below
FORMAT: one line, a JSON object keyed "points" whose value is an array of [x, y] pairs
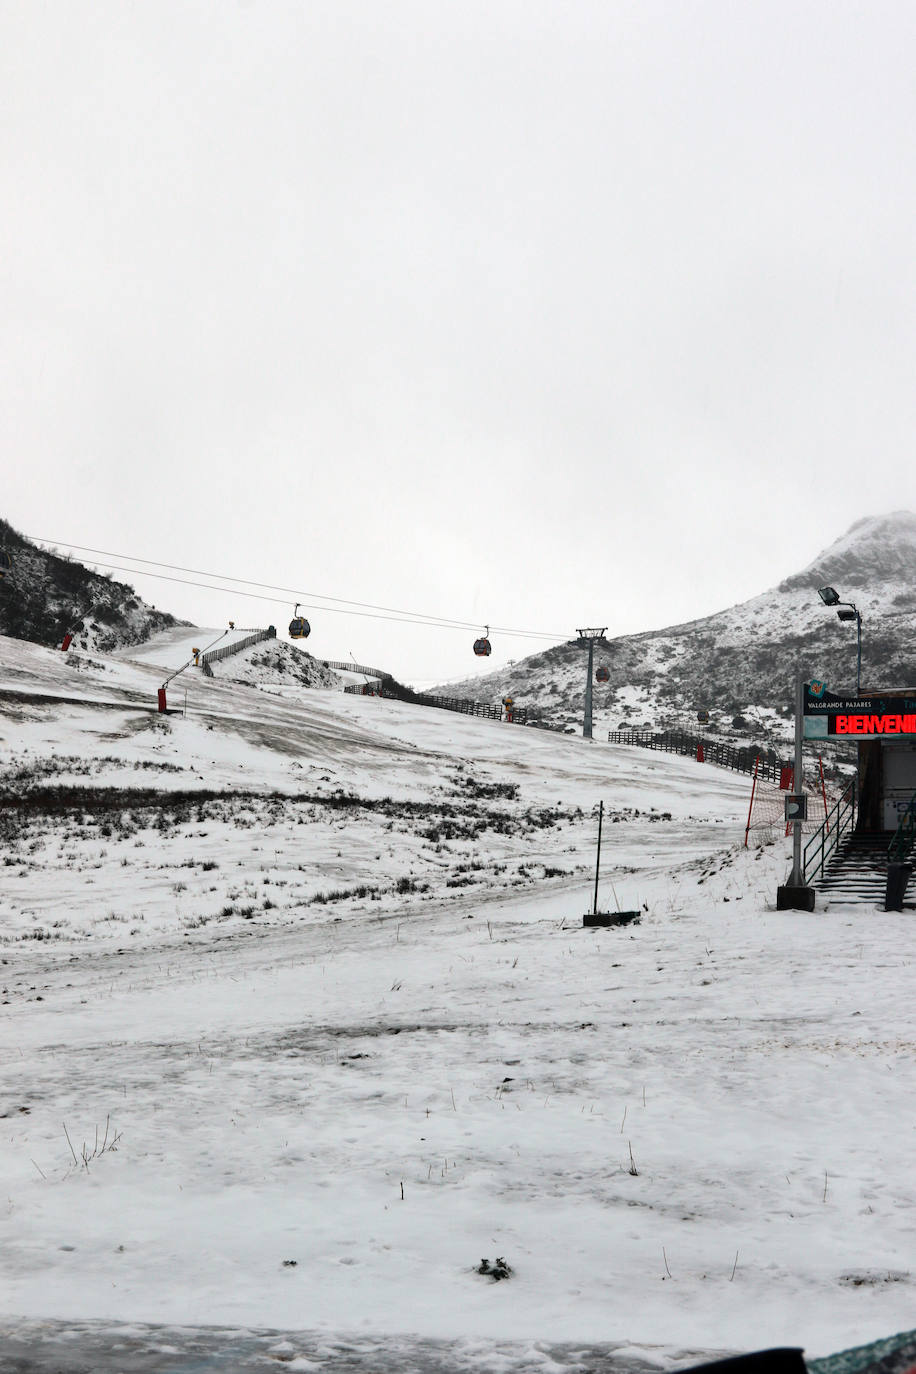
{"points": [[591, 638]]}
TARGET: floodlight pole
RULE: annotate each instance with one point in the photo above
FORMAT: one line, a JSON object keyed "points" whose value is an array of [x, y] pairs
{"points": [[589, 637], [858, 619], [831, 597]]}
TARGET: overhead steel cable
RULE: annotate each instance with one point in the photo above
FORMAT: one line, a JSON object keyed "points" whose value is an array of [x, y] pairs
{"points": [[269, 586], [369, 610], [260, 596]]}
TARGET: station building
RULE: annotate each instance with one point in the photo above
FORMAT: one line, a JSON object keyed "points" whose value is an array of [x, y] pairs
{"points": [[883, 725]]}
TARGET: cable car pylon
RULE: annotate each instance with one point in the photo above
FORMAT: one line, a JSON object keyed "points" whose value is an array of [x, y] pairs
{"points": [[590, 637]]}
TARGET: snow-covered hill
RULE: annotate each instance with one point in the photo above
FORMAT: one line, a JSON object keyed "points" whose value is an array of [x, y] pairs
{"points": [[46, 596], [300, 1022], [739, 664], [271, 664]]}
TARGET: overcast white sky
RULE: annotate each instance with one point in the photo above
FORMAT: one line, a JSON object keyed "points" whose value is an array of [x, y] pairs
{"points": [[531, 314]]}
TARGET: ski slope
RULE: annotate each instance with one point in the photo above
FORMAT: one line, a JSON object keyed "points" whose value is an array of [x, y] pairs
{"points": [[170, 649], [299, 1048]]}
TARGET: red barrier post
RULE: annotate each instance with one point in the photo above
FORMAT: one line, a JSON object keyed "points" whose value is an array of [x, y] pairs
{"points": [[161, 698], [68, 640]]}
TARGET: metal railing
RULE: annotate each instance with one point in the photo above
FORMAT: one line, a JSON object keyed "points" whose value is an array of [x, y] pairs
{"points": [[838, 822], [723, 755], [214, 655], [901, 846]]}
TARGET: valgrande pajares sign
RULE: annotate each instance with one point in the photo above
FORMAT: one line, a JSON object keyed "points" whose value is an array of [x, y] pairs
{"points": [[865, 716]]}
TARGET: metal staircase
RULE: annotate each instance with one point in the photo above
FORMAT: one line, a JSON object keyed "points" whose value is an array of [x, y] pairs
{"points": [[846, 865], [871, 869], [857, 870]]}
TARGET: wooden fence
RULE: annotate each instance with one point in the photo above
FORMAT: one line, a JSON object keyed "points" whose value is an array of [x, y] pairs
{"points": [[724, 755], [236, 647], [354, 668], [395, 691]]}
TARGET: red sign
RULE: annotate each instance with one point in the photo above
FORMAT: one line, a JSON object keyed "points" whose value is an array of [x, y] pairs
{"points": [[862, 724]]}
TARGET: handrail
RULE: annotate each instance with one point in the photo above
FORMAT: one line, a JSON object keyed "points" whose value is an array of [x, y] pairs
{"points": [[825, 840], [900, 847]]}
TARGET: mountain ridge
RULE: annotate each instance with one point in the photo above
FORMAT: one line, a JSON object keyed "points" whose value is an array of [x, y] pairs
{"points": [[47, 595], [739, 663]]}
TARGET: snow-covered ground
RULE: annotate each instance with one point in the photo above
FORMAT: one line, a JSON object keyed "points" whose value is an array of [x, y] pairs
{"points": [[300, 1023], [171, 648]]}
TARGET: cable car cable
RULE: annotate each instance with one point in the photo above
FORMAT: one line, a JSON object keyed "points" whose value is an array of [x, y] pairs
{"points": [[396, 614], [405, 619], [247, 582]]}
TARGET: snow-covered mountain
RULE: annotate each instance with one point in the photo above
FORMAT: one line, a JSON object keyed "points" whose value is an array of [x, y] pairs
{"points": [[45, 596], [739, 664]]}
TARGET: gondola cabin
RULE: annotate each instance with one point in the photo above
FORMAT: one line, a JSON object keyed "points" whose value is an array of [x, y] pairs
{"points": [[482, 647], [602, 675], [299, 628], [5, 562]]}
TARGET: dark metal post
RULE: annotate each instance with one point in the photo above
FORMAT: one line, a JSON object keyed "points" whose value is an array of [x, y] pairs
{"points": [[589, 637], [587, 726], [794, 895], [598, 860], [858, 652], [796, 877]]}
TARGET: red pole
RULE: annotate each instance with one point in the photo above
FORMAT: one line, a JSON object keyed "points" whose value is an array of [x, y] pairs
{"points": [[161, 698], [68, 640]]}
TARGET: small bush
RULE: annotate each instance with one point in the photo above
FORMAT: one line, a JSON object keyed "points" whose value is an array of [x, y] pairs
{"points": [[499, 1269]]}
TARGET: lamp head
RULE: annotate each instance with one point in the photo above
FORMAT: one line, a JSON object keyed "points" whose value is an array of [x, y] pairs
{"points": [[848, 614], [828, 595]]}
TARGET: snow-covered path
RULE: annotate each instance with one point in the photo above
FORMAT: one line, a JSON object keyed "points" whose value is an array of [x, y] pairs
{"points": [[169, 649]]}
